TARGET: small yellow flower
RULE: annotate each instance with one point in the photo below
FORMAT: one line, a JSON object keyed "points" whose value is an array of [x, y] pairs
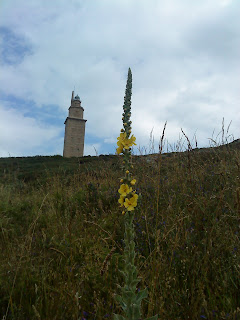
{"points": [[121, 200], [120, 149], [131, 203], [119, 143], [123, 212], [121, 180], [133, 139], [124, 190], [127, 172], [133, 182], [129, 142], [122, 136]]}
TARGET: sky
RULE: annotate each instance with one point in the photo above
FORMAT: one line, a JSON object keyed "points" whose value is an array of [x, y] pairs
{"points": [[184, 57]]}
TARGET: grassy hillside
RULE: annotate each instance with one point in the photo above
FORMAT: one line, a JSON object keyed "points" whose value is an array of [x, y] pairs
{"points": [[30, 169], [61, 234]]}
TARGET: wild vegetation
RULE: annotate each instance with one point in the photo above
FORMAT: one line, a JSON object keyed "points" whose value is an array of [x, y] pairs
{"points": [[61, 235]]}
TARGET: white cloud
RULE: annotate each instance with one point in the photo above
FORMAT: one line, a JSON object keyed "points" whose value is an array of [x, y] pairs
{"points": [[225, 3], [22, 136], [92, 150]]}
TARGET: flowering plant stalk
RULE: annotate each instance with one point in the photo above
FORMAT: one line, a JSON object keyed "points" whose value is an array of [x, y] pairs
{"points": [[129, 300]]}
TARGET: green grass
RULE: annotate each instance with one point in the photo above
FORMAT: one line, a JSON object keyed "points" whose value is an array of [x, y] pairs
{"points": [[60, 218]]}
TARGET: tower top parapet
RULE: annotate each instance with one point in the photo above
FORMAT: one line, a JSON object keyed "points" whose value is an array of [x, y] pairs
{"points": [[75, 101], [77, 98]]}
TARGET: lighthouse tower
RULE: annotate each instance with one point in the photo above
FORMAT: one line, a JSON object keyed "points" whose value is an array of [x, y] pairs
{"points": [[74, 129]]}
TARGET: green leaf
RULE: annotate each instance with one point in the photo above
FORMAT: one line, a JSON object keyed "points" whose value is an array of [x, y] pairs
{"points": [[123, 273], [128, 295], [142, 295], [120, 300], [136, 311], [134, 283]]}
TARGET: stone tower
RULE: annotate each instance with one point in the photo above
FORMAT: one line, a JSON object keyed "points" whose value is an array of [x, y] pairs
{"points": [[74, 129]]}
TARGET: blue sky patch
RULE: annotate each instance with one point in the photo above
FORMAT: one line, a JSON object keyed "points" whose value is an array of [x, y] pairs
{"points": [[48, 114], [14, 47]]}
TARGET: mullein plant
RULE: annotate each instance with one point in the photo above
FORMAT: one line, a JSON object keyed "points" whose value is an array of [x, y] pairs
{"points": [[130, 298]]}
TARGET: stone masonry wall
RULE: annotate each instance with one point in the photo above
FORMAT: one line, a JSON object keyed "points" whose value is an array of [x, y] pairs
{"points": [[74, 137], [76, 112]]}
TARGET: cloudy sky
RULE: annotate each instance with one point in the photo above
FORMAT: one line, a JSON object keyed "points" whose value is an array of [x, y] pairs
{"points": [[184, 57]]}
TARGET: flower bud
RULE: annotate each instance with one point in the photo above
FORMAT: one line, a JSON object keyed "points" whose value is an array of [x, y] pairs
{"points": [[133, 182]]}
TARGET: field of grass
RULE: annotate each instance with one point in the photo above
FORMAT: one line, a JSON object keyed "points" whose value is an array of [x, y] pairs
{"points": [[61, 235]]}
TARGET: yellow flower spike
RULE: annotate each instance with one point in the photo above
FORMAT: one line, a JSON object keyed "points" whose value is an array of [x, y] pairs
{"points": [[128, 201], [133, 182], [124, 190]]}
